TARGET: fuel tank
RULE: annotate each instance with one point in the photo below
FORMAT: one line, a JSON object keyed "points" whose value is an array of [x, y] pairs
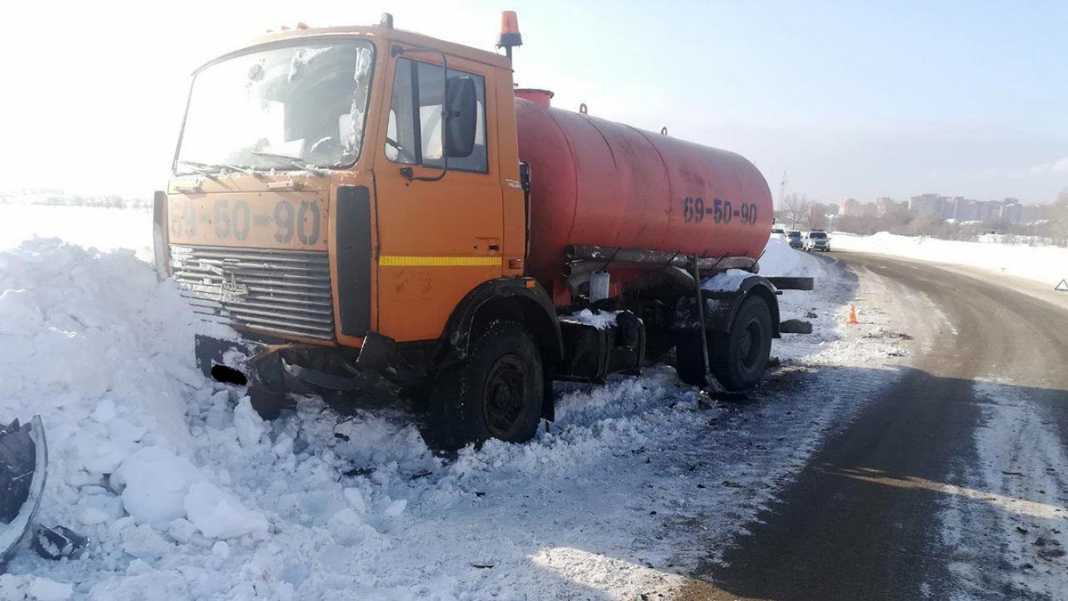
{"points": [[597, 182]]}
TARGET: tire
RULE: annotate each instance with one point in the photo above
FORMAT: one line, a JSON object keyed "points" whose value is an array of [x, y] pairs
{"points": [[496, 393], [740, 357]]}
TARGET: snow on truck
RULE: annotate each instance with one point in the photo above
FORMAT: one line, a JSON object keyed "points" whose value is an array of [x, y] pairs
{"points": [[370, 207]]}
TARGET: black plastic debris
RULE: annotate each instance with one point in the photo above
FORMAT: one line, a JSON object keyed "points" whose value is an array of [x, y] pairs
{"points": [[59, 542], [23, 467], [17, 457]]}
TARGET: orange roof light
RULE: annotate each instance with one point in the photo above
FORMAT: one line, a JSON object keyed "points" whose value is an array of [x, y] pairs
{"points": [[510, 35]]}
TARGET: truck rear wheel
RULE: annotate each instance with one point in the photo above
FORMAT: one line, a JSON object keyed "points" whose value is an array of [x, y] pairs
{"points": [[496, 393], [740, 357]]}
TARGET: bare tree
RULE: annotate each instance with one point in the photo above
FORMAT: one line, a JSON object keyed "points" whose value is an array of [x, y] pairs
{"points": [[796, 209]]}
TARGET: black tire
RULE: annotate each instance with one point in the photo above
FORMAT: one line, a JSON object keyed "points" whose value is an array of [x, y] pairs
{"points": [[690, 359], [740, 358], [496, 393]]}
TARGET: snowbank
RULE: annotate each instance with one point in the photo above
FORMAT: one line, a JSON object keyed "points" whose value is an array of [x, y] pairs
{"points": [[779, 259], [1045, 264], [83, 331]]}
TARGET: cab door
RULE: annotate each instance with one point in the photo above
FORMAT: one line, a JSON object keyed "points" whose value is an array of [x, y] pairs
{"points": [[439, 235]]}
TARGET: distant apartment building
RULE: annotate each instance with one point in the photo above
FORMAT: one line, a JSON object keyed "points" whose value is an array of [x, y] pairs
{"points": [[988, 210], [1011, 211], [885, 206], [965, 209], [927, 204], [850, 207]]}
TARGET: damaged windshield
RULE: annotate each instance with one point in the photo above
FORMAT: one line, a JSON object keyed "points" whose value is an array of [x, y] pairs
{"points": [[289, 107]]}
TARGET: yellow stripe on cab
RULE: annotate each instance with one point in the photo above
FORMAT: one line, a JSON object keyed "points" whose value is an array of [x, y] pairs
{"points": [[410, 261]]}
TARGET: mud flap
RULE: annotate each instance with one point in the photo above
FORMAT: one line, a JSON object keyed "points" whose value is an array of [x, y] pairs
{"points": [[23, 469]]}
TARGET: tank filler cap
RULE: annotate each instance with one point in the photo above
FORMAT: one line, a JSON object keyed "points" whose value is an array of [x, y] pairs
{"points": [[542, 98], [386, 21]]}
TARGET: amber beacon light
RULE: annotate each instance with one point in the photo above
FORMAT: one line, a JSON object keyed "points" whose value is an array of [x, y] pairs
{"points": [[510, 36]]}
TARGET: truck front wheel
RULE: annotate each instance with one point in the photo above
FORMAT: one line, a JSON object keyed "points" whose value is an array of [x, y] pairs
{"points": [[496, 393], [740, 357]]}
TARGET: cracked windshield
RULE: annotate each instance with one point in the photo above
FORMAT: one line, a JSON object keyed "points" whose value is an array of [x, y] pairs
{"points": [[279, 108]]}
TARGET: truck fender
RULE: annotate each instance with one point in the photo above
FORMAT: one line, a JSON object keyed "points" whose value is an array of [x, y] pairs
{"points": [[722, 306], [518, 299]]}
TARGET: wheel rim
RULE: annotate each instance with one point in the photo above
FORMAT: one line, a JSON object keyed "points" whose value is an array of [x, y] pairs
{"points": [[504, 395], [750, 345]]}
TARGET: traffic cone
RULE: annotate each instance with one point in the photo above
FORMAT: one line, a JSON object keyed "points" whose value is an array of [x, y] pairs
{"points": [[852, 321]]}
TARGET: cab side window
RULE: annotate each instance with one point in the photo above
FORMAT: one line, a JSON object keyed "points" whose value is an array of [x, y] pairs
{"points": [[413, 134]]}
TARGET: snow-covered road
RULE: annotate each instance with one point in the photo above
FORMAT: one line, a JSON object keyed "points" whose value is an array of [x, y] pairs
{"points": [[185, 493]]}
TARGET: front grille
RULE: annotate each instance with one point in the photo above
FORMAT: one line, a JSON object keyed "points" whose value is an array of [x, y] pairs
{"points": [[280, 292]]}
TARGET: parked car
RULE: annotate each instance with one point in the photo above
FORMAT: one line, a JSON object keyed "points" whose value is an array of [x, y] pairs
{"points": [[794, 238], [817, 240], [778, 232]]}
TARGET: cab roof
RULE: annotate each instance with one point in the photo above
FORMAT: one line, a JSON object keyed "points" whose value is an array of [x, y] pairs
{"points": [[380, 33]]}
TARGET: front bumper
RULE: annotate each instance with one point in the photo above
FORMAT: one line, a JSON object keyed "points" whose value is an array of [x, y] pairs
{"points": [[303, 368]]}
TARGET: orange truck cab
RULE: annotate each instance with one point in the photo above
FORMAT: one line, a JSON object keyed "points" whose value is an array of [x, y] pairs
{"points": [[352, 201]]}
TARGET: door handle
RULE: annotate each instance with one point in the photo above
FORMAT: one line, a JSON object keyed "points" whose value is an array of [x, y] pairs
{"points": [[488, 245]]}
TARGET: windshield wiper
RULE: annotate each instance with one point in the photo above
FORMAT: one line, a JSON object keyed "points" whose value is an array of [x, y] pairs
{"points": [[295, 161], [208, 168]]}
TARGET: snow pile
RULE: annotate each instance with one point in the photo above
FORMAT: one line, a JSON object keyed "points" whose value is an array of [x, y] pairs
{"points": [[93, 335], [779, 259], [1045, 264], [93, 343]]}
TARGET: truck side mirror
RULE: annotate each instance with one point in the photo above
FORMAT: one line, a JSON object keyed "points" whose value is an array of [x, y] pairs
{"points": [[461, 116]]}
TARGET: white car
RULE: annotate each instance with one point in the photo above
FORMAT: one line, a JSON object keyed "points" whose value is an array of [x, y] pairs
{"points": [[817, 240]]}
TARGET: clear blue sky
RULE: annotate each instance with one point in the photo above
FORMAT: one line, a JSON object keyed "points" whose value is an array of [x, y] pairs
{"points": [[847, 99]]}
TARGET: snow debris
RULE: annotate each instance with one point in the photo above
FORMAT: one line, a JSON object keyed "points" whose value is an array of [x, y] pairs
{"points": [[11, 587], [596, 318], [727, 281], [155, 483], [249, 424], [221, 550], [220, 515], [43, 589]]}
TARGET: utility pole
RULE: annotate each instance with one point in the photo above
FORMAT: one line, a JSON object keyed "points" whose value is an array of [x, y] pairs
{"points": [[782, 191]]}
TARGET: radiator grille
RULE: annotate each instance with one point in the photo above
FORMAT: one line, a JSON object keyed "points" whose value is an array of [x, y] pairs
{"points": [[280, 292]]}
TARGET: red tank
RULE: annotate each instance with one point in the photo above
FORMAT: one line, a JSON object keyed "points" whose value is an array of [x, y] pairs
{"points": [[596, 182]]}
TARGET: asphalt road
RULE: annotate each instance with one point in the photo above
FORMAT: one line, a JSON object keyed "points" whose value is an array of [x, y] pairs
{"points": [[866, 519]]}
